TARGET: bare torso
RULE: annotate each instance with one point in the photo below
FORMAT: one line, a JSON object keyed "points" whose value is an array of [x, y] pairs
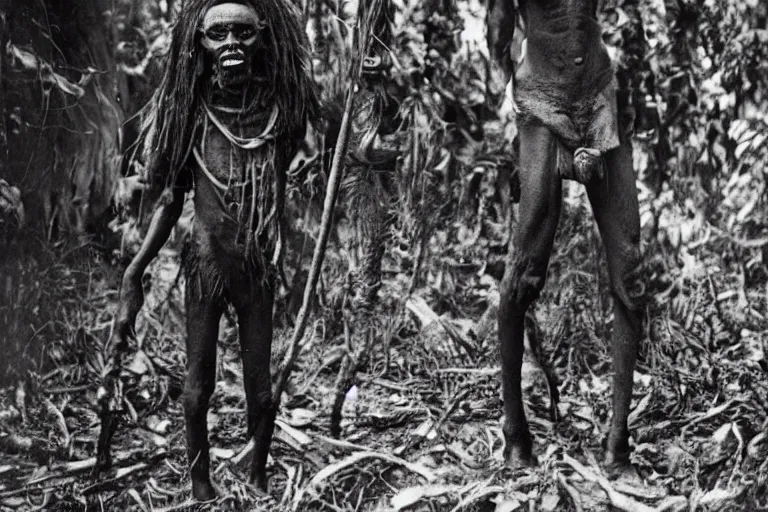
{"points": [[564, 45], [566, 80], [225, 208]]}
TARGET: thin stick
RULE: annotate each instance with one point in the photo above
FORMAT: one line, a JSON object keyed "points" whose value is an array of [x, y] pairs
{"points": [[331, 191]]}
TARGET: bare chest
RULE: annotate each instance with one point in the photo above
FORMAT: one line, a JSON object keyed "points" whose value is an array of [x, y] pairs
{"points": [[229, 147]]}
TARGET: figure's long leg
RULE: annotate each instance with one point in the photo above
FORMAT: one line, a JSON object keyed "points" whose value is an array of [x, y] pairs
{"points": [[255, 319], [614, 201], [540, 202], [203, 315]]}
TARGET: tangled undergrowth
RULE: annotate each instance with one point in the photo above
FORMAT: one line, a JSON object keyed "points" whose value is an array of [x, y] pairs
{"points": [[421, 427]]}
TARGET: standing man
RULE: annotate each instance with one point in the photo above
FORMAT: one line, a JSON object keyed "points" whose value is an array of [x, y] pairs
{"points": [[225, 122], [565, 95]]}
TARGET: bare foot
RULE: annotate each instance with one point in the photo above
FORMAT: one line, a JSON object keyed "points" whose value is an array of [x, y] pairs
{"points": [[518, 456], [203, 491], [618, 467], [260, 482]]}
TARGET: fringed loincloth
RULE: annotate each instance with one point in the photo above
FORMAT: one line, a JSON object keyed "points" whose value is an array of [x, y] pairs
{"points": [[239, 176], [216, 275]]}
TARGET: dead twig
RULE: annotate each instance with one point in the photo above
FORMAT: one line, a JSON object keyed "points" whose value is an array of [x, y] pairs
{"points": [[122, 473], [237, 459], [65, 474], [27, 489], [571, 491], [414, 441], [342, 445], [714, 411], [476, 493], [68, 473], [353, 459]]}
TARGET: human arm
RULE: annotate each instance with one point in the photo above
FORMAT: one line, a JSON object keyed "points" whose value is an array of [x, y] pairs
{"points": [[131, 294]]}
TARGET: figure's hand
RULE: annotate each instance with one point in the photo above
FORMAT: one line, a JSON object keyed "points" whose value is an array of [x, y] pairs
{"points": [[11, 207], [128, 307], [127, 196]]}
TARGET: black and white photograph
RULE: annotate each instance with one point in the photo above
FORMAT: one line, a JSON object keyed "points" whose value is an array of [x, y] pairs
{"points": [[384, 255]]}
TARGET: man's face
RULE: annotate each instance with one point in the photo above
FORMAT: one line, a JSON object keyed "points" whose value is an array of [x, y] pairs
{"points": [[231, 34]]}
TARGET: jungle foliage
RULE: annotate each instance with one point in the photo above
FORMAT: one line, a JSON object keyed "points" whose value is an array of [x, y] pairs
{"points": [[420, 414]]}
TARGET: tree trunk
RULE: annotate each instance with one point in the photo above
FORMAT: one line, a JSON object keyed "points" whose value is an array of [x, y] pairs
{"points": [[59, 146], [62, 114]]}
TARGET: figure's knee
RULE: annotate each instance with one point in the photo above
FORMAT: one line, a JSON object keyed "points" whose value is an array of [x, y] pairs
{"points": [[522, 283], [628, 284], [261, 400], [196, 396]]}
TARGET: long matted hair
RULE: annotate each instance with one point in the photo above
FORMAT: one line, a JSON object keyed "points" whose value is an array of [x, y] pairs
{"points": [[171, 117]]}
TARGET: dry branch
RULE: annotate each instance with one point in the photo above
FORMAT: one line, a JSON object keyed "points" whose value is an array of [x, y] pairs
{"points": [[67, 473], [353, 459]]}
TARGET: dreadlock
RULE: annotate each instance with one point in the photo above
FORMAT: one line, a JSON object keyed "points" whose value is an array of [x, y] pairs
{"points": [[172, 115]]}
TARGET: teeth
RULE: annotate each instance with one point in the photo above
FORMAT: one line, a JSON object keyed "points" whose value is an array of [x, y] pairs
{"points": [[231, 62]]}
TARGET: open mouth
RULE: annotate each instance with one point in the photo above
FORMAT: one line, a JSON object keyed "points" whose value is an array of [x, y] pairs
{"points": [[230, 60]]}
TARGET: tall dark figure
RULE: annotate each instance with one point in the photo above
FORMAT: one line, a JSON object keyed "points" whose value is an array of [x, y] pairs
{"points": [[227, 119], [565, 94]]}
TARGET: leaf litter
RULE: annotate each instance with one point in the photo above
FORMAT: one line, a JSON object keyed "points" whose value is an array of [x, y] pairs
{"points": [[421, 424]]}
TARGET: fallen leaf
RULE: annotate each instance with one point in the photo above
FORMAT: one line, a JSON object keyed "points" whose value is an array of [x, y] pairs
{"points": [[716, 496], [302, 417], [407, 497], [411, 495], [550, 501], [721, 434], [140, 363], [508, 506], [299, 436], [133, 493], [222, 453], [642, 405]]}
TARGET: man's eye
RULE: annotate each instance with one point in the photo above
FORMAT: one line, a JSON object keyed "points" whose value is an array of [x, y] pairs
{"points": [[245, 32], [216, 34]]}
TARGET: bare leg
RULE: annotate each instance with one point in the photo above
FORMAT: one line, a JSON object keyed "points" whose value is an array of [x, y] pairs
{"points": [[614, 201], [540, 203], [202, 334], [255, 318]]}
